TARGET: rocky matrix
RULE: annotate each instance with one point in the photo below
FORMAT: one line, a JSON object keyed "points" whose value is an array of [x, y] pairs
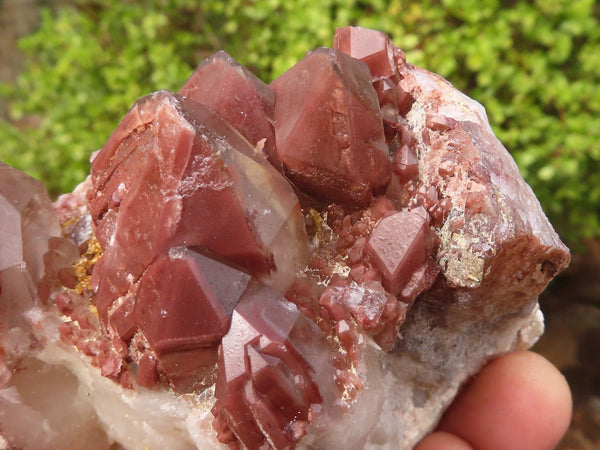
{"points": [[270, 266]]}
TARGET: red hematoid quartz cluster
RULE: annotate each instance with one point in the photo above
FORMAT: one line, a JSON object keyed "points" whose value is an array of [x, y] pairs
{"points": [[251, 238]]}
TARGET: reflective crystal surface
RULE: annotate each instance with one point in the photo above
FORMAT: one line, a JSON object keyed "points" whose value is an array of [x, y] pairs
{"points": [[194, 296], [329, 130], [240, 97], [399, 245], [267, 388], [27, 221]]}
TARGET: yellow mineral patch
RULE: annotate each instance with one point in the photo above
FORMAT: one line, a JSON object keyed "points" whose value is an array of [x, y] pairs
{"points": [[317, 220], [93, 309], [67, 224], [83, 266]]}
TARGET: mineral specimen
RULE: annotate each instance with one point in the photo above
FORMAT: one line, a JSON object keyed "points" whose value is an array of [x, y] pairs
{"points": [[270, 266]]}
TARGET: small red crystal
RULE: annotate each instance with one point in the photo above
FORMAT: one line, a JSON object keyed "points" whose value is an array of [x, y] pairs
{"points": [[370, 46], [399, 245], [405, 164]]}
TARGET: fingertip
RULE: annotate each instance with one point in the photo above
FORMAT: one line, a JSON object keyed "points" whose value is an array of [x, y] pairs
{"points": [[519, 400], [441, 440]]}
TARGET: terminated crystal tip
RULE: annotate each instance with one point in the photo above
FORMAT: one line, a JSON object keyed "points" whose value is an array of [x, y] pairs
{"points": [[328, 128]]}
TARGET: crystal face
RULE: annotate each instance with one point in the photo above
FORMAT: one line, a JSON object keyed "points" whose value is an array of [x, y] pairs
{"points": [[399, 245], [27, 222], [195, 296], [241, 98], [271, 266], [267, 385], [328, 128]]}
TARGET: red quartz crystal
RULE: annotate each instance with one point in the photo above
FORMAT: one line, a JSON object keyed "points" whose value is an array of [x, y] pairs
{"points": [[375, 312], [329, 130], [199, 192], [205, 187], [194, 297], [399, 245], [240, 97], [370, 46], [405, 164], [272, 364]]}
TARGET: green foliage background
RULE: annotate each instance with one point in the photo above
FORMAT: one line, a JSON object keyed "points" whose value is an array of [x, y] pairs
{"points": [[535, 65]]}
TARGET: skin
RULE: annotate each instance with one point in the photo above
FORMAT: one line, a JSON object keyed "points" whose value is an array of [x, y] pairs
{"points": [[517, 401]]}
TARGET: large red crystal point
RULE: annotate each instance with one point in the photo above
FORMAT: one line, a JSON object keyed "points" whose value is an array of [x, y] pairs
{"points": [[239, 96], [185, 300], [329, 128], [271, 366], [176, 177], [202, 183]]}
